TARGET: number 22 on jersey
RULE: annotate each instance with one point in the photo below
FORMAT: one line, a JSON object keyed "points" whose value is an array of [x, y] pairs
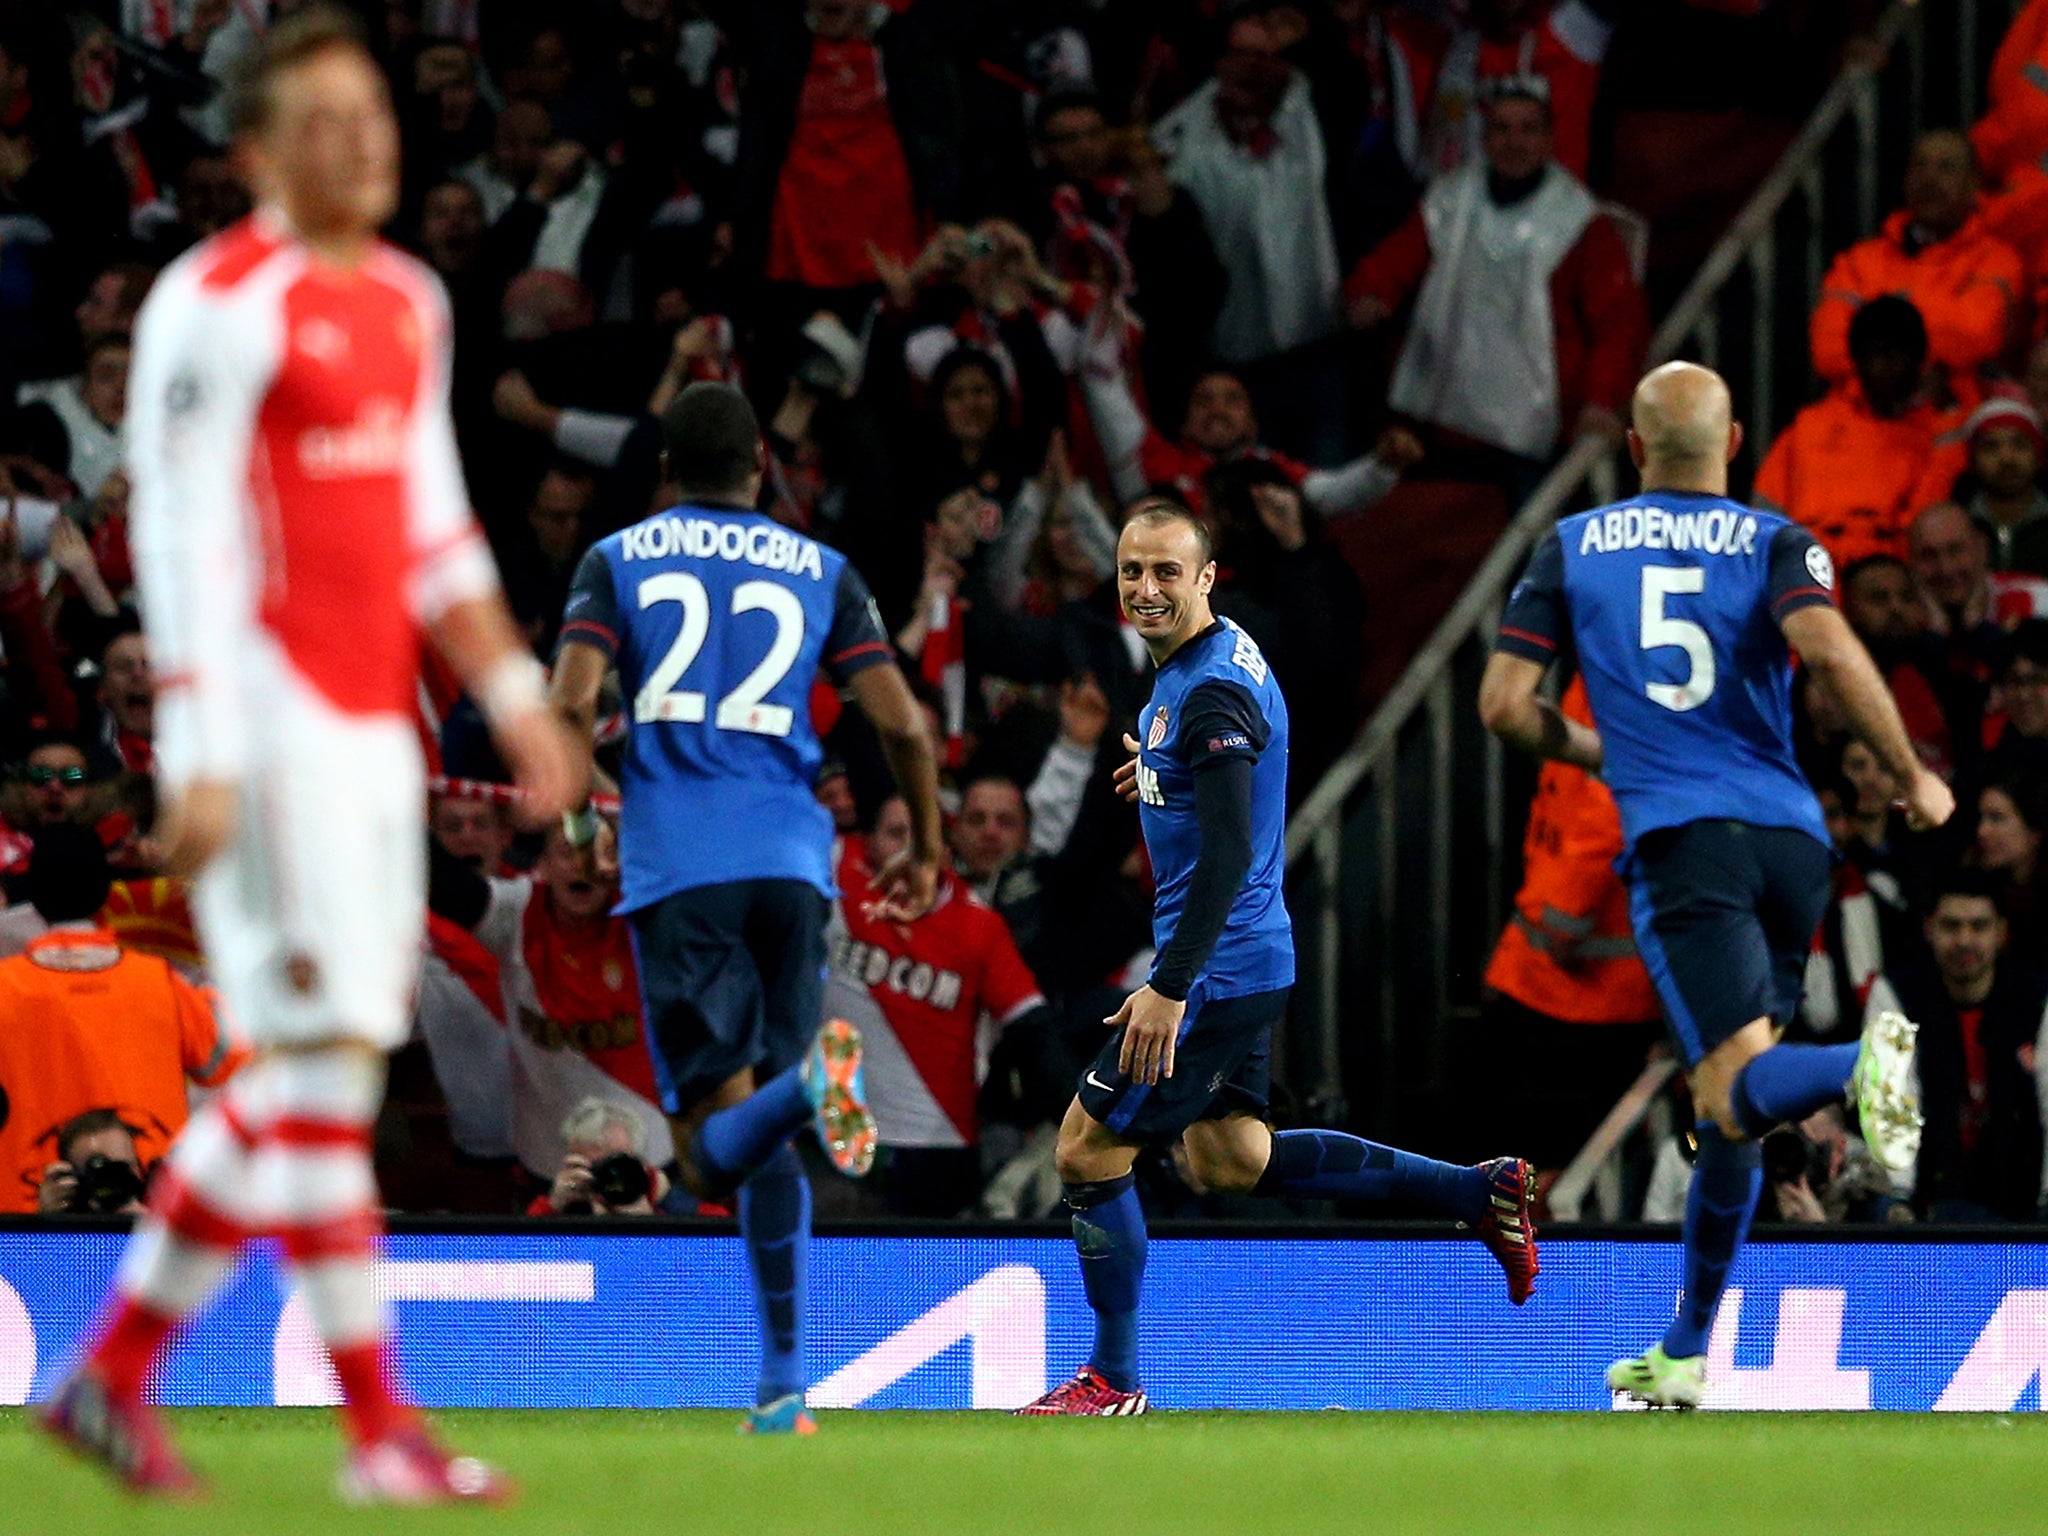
{"points": [[743, 709], [1661, 630]]}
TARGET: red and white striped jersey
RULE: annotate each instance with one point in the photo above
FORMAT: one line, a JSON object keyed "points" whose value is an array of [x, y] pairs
{"points": [[298, 505], [929, 999]]}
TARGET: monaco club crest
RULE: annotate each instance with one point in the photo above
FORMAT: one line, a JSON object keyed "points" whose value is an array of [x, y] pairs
{"points": [[1157, 735]]}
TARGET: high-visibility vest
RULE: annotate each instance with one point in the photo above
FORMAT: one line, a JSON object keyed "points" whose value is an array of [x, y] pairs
{"points": [[1857, 479], [1570, 891], [2014, 131]]}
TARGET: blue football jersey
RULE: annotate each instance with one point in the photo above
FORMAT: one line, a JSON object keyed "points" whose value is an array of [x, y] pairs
{"points": [[1672, 602], [1216, 698], [719, 622]]}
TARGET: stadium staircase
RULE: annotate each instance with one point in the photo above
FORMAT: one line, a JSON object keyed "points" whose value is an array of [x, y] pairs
{"points": [[1404, 857]]}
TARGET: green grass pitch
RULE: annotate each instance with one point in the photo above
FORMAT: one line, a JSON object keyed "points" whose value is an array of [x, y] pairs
{"points": [[957, 1474]]}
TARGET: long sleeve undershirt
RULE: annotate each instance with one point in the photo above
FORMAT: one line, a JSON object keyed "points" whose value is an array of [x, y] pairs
{"points": [[1223, 815]]}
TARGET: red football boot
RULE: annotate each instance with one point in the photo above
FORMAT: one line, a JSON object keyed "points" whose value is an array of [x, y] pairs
{"points": [[1087, 1395], [129, 1439], [408, 1468], [1508, 1228]]}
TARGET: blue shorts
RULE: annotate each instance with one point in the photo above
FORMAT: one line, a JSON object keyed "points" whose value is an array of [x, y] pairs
{"points": [[732, 976], [1222, 1065], [1724, 915]]}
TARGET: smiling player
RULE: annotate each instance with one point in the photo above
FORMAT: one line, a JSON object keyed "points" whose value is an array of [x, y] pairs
{"points": [[1190, 1060]]}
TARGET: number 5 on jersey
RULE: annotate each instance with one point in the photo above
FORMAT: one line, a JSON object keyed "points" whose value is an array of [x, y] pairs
{"points": [[1660, 630], [742, 709]]}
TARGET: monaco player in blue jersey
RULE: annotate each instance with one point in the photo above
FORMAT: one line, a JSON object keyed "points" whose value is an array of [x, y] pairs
{"points": [[1189, 1060], [1678, 606], [719, 621]]}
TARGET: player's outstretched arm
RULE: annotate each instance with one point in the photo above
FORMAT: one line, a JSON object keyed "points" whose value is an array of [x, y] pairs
{"points": [[1829, 649], [1513, 710], [908, 884]]}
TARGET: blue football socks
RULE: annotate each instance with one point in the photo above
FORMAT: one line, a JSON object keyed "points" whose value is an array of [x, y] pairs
{"points": [[1789, 1082], [1727, 1177], [736, 1140], [775, 1220], [1109, 1232], [1329, 1165]]}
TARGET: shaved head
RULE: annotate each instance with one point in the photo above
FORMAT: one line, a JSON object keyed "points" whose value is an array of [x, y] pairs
{"points": [[1939, 523], [1683, 429], [1951, 556]]}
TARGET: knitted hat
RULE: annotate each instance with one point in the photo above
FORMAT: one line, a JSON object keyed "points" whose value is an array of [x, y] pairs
{"points": [[2007, 411]]}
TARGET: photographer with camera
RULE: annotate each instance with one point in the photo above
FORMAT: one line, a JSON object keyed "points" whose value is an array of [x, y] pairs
{"points": [[86, 1023], [1816, 1171], [98, 1172], [604, 1172]]}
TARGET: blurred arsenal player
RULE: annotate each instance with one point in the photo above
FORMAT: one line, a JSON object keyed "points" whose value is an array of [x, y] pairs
{"points": [[299, 519]]}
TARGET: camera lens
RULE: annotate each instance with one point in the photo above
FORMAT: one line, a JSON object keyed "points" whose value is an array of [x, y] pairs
{"points": [[619, 1179], [105, 1184], [1786, 1156]]}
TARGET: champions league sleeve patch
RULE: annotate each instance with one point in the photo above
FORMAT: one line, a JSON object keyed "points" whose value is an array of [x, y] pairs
{"points": [[1820, 567], [1230, 741]]}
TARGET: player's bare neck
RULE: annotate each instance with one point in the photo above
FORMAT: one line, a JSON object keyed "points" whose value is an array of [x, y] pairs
{"points": [[1686, 482], [345, 250], [1164, 648], [335, 244]]}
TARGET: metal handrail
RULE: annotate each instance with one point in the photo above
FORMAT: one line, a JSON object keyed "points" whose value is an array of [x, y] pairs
{"points": [[1751, 226], [1478, 602], [1425, 688]]}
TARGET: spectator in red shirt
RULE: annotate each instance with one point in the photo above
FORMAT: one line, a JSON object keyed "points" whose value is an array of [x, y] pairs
{"points": [[849, 137], [127, 702], [1120, 180], [1221, 428], [567, 998], [474, 830], [1982, 1016], [929, 998], [1561, 42], [604, 1169], [1943, 710], [1529, 325]]}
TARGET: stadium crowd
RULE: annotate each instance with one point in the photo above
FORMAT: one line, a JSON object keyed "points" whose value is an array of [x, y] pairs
{"points": [[1920, 466], [993, 272]]}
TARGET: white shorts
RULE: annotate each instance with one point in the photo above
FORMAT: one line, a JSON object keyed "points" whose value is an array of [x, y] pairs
{"points": [[312, 917]]}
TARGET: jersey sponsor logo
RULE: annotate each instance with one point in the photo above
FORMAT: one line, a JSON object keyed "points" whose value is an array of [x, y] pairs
{"points": [[1714, 532], [1820, 567], [1156, 736], [372, 444], [301, 973], [1149, 792], [321, 340], [183, 395], [918, 980], [586, 1037], [699, 538]]}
